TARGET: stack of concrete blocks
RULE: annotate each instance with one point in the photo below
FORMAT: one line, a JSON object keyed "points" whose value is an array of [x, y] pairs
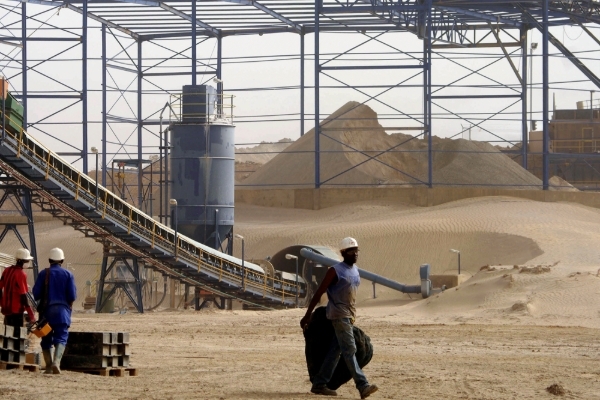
{"points": [[12, 344], [92, 350]]}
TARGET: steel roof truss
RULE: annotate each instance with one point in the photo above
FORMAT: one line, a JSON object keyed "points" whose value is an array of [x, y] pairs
{"points": [[215, 32], [508, 58], [572, 57], [297, 28], [103, 21]]}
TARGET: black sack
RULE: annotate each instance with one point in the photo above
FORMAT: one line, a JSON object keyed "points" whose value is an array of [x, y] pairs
{"points": [[318, 336]]}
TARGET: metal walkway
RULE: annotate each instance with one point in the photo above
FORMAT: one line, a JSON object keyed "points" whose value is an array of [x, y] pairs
{"points": [[68, 194]]}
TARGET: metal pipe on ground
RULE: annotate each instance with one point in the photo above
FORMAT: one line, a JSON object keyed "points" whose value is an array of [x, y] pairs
{"points": [[424, 289]]}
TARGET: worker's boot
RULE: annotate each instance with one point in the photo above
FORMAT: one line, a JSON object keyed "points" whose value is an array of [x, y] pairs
{"points": [[48, 360], [367, 391], [58, 353], [323, 390]]}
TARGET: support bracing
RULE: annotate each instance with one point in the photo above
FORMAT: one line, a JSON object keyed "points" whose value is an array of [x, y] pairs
{"points": [[120, 272], [16, 200], [462, 35]]}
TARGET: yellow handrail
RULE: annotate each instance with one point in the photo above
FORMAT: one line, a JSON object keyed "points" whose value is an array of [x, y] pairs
{"points": [[20, 141], [78, 186], [61, 170], [105, 204], [131, 219], [153, 233], [48, 167]]}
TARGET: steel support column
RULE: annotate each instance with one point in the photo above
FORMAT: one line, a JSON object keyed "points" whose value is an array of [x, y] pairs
{"points": [[427, 93], [84, 99], [317, 113], [104, 108], [302, 83], [194, 40], [116, 278], [545, 84], [524, 82], [24, 61], [167, 180], [139, 122], [20, 196], [220, 74]]}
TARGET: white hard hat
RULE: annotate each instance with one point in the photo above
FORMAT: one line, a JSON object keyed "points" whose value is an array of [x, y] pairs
{"points": [[348, 243], [23, 254], [56, 254]]}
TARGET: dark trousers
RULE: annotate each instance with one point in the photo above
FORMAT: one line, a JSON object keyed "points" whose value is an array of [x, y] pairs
{"points": [[58, 335], [14, 320]]}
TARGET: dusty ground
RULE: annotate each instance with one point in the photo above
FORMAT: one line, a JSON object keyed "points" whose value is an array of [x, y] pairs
{"points": [[507, 333], [259, 355]]}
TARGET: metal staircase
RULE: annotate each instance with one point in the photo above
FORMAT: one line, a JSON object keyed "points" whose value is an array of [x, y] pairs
{"points": [[68, 194]]}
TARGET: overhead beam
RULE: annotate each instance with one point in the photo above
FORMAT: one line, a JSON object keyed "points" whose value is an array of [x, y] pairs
{"points": [[573, 58], [561, 47], [474, 45], [174, 11], [297, 28], [90, 15], [215, 32], [484, 17], [102, 21], [506, 55]]}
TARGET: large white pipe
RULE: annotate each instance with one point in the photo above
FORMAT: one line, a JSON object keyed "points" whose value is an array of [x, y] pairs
{"points": [[321, 259]]}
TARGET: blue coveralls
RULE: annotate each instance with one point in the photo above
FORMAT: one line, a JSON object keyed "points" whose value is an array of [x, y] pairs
{"points": [[61, 294]]}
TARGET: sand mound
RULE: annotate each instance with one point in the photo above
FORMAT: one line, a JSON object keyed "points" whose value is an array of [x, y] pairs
{"points": [[356, 150], [262, 153], [558, 183]]}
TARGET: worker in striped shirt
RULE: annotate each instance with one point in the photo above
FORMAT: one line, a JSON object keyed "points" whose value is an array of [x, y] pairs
{"points": [[13, 291]]}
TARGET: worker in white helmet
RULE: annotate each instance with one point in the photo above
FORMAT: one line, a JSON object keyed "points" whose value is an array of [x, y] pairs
{"points": [[341, 284], [13, 291], [55, 288]]}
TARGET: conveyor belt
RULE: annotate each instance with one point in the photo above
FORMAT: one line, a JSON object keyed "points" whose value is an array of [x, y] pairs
{"points": [[69, 194]]}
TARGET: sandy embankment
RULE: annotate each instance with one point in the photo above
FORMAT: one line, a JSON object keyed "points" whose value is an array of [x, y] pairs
{"points": [[507, 333], [503, 335]]}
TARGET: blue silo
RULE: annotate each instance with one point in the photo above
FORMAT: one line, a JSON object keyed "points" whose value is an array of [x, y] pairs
{"points": [[203, 167]]}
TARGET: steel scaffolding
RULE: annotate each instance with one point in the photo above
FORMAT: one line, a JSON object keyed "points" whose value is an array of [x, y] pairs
{"points": [[147, 49]]}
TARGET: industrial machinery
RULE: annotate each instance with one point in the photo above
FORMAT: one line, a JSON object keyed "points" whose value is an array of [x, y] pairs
{"points": [[71, 195], [202, 162], [312, 267]]}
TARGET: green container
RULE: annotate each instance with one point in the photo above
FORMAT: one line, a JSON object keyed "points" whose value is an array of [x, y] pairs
{"points": [[13, 105], [14, 122]]}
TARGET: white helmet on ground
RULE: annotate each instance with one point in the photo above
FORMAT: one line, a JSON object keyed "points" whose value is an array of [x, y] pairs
{"points": [[56, 254], [348, 243], [23, 254]]}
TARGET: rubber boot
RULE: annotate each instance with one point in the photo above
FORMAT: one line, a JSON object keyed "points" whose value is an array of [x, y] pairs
{"points": [[48, 360], [59, 350]]}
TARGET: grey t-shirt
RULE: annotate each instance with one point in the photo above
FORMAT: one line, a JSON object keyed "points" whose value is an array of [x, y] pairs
{"points": [[342, 295]]}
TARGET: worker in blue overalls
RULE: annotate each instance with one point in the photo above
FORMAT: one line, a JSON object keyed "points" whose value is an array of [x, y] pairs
{"points": [[55, 287]]}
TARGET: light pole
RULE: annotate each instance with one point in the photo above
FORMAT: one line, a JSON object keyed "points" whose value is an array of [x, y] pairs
{"points": [[95, 151], [243, 270], [457, 252], [532, 48], [293, 257], [173, 202]]}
